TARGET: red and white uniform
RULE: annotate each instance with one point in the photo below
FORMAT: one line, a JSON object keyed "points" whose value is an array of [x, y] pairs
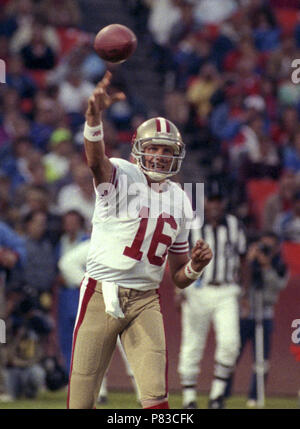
{"points": [[134, 227]]}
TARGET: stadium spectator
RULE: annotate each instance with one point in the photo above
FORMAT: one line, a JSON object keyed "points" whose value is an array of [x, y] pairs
{"points": [[15, 158], [25, 373], [177, 108], [61, 14], [73, 227], [297, 34], [4, 49], [11, 101], [29, 21], [269, 272], [279, 202], [12, 254], [163, 15], [287, 225], [189, 56], [38, 198], [228, 117], [37, 54], [186, 24], [214, 12], [74, 92], [48, 115], [57, 160], [243, 49], [78, 195], [266, 34], [260, 157], [82, 57], [284, 130], [40, 269], [14, 125], [6, 199], [19, 79], [291, 155], [200, 90], [8, 23]]}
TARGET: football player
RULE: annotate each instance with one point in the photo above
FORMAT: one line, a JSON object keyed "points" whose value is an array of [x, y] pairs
{"points": [[140, 218]]}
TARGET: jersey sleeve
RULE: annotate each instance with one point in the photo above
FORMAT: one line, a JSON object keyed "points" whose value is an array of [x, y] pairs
{"points": [[72, 264], [106, 189], [180, 246]]}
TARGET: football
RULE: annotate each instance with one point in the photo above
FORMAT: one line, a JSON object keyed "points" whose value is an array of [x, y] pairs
{"points": [[115, 43]]}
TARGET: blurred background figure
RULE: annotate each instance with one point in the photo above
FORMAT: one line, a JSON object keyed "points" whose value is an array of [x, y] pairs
{"points": [[39, 269], [57, 160], [79, 195], [12, 253], [25, 373], [74, 232], [268, 272], [287, 225], [213, 298], [281, 201]]}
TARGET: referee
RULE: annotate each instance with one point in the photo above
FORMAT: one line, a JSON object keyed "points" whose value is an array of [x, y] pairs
{"points": [[213, 299]]}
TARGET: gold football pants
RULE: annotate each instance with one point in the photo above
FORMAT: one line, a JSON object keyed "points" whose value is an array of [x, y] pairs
{"points": [[94, 340]]}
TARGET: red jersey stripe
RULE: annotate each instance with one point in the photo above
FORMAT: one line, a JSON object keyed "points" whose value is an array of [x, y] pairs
{"points": [[182, 252]]}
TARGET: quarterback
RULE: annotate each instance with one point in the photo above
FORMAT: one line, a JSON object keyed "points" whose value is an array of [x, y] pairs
{"points": [[128, 254]]}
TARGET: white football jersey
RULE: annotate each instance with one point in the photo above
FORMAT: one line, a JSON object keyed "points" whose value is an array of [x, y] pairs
{"points": [[134, 227]]}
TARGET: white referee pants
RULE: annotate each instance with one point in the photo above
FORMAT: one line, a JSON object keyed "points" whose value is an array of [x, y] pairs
{"points": [[202, 306]]}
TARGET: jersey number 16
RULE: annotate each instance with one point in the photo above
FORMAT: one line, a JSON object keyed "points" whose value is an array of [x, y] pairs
{"points": [[134, 251]]}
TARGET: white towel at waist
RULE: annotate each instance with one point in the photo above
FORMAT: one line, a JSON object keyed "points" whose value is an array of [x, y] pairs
{"points": [[111, 300]]}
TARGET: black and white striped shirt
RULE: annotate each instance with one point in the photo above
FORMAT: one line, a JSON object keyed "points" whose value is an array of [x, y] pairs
{"points": [[227, 242]]}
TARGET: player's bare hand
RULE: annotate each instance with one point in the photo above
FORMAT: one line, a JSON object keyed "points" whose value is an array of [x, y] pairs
{"points": [[101, 100], [201, 255]]}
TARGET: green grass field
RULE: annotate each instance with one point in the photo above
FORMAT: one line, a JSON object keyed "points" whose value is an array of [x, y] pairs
{"points": [[121, 400]]}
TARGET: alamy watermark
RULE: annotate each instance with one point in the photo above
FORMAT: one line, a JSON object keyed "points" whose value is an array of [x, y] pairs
{"points": [[136, 199], [2, 332], [296, 73], [296, 332], [2, 71]]}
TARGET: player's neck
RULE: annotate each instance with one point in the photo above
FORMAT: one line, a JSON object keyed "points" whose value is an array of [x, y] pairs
{"points": [[156, 186]]}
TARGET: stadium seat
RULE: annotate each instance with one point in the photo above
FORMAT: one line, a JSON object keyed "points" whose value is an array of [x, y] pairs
{"points": [[258, 190], [287, 19]]}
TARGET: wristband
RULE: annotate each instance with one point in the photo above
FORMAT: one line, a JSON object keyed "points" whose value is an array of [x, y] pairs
{"points": [[190, 273], [93, 134]]}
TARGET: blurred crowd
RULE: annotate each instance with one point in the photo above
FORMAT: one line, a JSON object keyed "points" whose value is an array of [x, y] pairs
{"points": [[225, 67]]}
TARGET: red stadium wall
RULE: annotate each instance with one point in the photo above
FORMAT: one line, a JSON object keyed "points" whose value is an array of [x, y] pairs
{"points": [[284, 375]]}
